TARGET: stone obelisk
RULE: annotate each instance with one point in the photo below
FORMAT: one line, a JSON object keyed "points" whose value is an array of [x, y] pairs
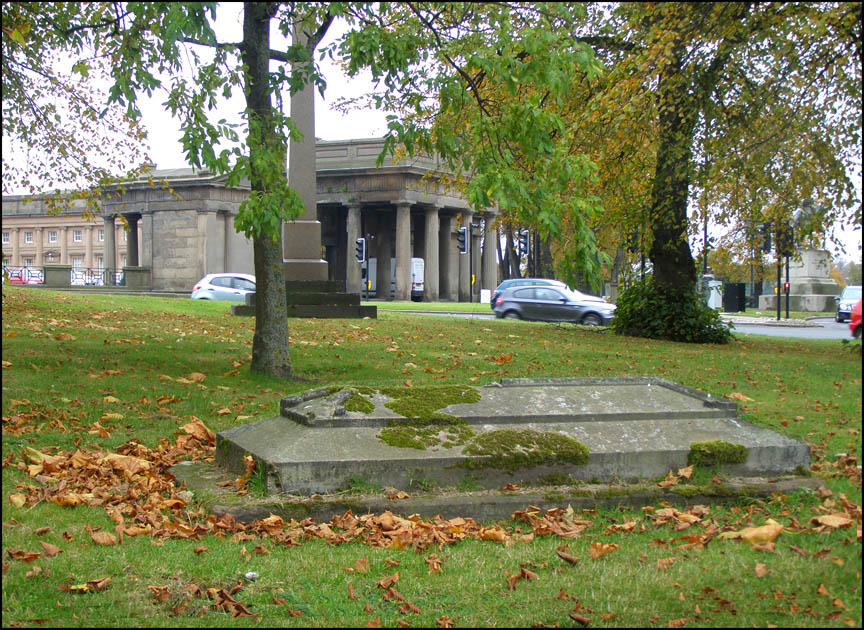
{"points": [[302, 237]]}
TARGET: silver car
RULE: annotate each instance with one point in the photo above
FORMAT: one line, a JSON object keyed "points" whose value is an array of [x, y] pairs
{"points": [[553, 304], [224, 286]]}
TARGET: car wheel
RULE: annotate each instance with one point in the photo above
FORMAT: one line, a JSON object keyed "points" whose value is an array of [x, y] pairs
{"points": [[511, 315], [857, 333], [591, 319], [838, 318]]}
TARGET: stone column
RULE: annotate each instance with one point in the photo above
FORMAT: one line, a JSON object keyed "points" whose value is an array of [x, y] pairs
{"points": [[464, 261], [302, 237], [353, 276], [132, 242], [88, 246], [64, 246], [119, 245], [430, 256], [382, 276], [147, 240], [445, 258], [490, 263], [16, 247], [38, 262], [403, 251], [110, 256]]}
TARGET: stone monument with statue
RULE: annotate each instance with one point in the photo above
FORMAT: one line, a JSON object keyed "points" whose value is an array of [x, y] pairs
{"points": [[811, 288]]}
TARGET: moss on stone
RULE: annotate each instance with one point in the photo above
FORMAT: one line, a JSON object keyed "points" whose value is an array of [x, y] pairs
{"points": [[358, 402], [424, 426], [403, 435], [716, 453], [509, 449], [424, 402]]}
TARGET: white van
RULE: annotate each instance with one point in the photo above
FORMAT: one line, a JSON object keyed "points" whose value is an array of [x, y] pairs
{"points": [[418, 269]]}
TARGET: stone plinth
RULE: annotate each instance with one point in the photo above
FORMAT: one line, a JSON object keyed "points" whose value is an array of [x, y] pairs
{"points": [[811, 288], [57, 276]]}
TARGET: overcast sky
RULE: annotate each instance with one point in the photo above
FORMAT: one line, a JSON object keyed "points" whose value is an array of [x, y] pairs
{"points": [[164, 133]]}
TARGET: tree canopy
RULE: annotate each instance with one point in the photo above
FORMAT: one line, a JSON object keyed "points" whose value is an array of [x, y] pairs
{"points": [[553, 112], [57, 124]]}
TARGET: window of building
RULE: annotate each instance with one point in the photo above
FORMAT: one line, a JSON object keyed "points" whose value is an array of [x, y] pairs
{"points": [[28, 237], [125, 261], [76, 236], [5, 237], [52, 236], [125, 234], [28, 262], [49, 257], [77, 262], [100, 263], [100, 236]]}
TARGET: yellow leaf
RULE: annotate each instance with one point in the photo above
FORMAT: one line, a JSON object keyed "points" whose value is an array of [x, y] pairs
{"points": [[110, 399], [598, 549], [765, 533], [18, 500], [833, 520], [739, 396], [685, 472]]}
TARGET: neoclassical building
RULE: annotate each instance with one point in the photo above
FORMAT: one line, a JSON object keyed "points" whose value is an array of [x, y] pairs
{"points": [[178, 231]]}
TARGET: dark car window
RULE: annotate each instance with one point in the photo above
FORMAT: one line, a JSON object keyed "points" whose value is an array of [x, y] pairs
{"points": [[243, 283], [547, 294], [524, 294], [221, 282]]}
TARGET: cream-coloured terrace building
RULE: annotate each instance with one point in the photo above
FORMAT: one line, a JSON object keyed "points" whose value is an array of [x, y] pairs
{"points": [[174, 236]]}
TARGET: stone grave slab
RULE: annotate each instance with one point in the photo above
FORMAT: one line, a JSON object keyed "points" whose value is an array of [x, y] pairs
{"points": [[521, 431]]}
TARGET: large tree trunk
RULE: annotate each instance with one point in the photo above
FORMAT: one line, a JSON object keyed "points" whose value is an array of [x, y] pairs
{"points": [[674, 268], [270, 344]]}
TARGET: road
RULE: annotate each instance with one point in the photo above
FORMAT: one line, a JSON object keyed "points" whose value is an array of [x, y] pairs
{"points": [[827, 328]]}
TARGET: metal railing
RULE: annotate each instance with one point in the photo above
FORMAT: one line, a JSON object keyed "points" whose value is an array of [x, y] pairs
{"points": [[96, 277], [23, 275]]}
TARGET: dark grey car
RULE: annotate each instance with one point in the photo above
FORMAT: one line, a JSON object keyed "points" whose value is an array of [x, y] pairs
{"points": [[522, 282], [553, 304]]}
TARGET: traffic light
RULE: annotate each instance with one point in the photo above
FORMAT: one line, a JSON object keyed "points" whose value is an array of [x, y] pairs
{"points": [[786, 287], [360, 249], [765, 235], [523, 242], [462, 239]]}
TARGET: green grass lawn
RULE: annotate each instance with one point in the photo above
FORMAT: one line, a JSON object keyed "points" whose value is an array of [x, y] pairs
{"points": [[89, 377]]}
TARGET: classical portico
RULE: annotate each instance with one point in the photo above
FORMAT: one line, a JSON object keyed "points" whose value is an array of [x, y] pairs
{"points": [[404, 211]]}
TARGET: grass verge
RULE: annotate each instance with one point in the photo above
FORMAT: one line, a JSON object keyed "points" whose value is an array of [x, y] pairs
{"points": [[124, 374]]}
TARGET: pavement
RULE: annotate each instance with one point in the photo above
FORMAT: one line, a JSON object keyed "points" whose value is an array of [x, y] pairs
{"points": [[770, 321]]}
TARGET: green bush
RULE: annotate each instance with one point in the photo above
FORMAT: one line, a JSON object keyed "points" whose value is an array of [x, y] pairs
{"points": [[648, 310]]}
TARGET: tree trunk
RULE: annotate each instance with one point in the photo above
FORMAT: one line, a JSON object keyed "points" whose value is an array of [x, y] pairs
{"points": [[270, 344], [515, 271], [546, 265], [674, 268], [503, 264]]}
